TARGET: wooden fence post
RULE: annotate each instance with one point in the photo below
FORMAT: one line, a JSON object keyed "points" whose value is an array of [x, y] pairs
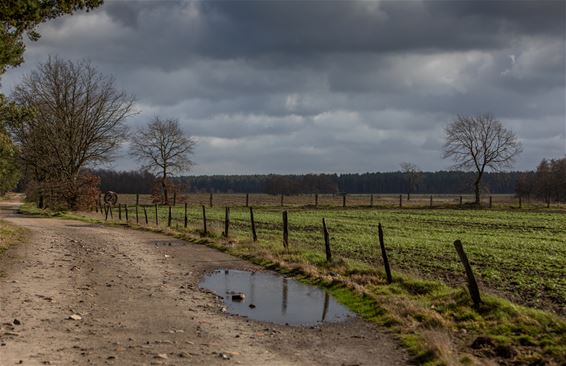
{"points": [[120, 211], [169, 217], [371, 200], [344, 200], [282, 196], [204, 228], [174, 199], [520, 202], [145, 213], [285, 230], [400, 201], [186, 217], [137, 199], [247, 199], [156, 215], [384, 254], [490, 202], [126, 211], [226, 222], [210, 199], [326, 241], [316, 200], [430, 205], [472, 284], [254, 235], [461, 201]]}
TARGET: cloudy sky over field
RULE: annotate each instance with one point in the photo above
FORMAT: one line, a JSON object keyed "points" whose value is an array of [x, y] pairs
{"points": [[326, 86]]}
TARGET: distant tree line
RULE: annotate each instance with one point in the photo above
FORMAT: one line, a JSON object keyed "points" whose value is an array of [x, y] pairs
{"points": [[393, 182], [547, 183], [134, 181]]}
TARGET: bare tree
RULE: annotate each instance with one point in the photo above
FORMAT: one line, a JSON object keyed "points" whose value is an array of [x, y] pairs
{"points": [[76, 118], [413, 175], [478, 143], [163, 149]]}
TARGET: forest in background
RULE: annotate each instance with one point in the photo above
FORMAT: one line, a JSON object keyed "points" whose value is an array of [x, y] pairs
{"points": [[448, 182]]}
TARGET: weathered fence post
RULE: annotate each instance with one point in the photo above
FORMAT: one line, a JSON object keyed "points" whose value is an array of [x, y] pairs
{"points": [[472, 284], [174, 199], [400, 201], [490, 202], [120, 211], [210, 199], [145, 213], [344, 200], [252, 221], [156, 216], [326, 241], [137, 199], [520, 202], [461, 201], [316, 200], [371, 200], [186, 217], [384, 254], [282, 197], [285, 230], [430, 205], [126, 211], [169, 217], [226, 222], [247, 199], [204, 228]]}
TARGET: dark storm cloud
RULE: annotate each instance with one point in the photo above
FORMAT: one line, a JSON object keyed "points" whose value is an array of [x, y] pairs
{"points": [[299, 86]]}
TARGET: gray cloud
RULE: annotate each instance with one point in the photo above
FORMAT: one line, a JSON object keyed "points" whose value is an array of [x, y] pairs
{"points": [[326, 86]]}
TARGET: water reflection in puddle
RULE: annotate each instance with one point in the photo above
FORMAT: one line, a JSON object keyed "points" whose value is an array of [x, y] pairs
{"points": [[273, 298]]}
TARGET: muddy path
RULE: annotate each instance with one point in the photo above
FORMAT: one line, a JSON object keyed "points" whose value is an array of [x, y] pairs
{"points": [[138, 300]]}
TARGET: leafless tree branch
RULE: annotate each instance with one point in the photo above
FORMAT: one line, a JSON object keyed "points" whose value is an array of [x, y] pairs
{"points": [[479, 143], [163, 149]]}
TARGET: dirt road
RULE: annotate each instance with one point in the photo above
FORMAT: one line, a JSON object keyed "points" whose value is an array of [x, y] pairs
{"points": [[137, 297]]}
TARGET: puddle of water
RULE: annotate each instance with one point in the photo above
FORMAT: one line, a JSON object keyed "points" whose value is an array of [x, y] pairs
{"points": [[272, 298]]}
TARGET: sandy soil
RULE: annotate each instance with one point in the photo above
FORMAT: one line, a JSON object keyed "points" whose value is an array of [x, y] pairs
{"points": [[139, 303]]}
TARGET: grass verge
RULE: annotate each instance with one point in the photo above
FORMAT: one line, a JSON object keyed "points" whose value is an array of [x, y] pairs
{"points": [[9, 235], [434, 322]]}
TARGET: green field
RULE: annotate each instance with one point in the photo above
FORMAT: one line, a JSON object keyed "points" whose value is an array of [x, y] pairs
{"points": [[520, 255]]}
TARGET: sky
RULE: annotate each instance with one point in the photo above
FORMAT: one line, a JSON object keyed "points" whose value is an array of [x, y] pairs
{"points": [[295, 87]]}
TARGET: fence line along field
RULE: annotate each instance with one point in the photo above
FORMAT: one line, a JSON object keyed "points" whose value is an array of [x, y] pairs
{"points": [[339, 200], [520, 254]]}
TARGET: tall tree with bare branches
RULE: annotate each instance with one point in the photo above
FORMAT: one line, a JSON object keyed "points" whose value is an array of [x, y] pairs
{"points": [[478, 143], [163, 149], [76, 119], [412, 175]]}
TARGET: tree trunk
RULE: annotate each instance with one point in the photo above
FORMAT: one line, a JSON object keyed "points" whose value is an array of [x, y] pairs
{"points": [[40, 203], [164, 186], [73, 193], [477, 188]]}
